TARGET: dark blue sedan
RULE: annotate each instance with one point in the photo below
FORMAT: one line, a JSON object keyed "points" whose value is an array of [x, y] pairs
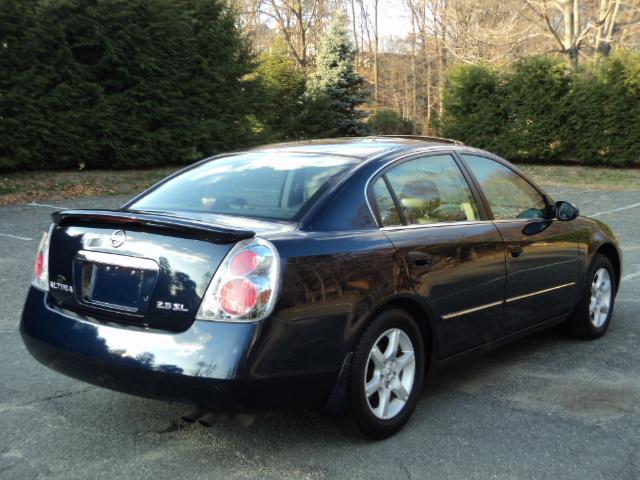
{"points": [[332, 274]]}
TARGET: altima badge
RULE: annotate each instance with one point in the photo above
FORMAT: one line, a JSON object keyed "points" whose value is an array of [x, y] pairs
{"points": [[61, 284], [118, 238]]}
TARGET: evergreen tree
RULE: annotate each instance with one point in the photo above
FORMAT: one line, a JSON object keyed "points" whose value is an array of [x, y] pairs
{"points": [[335, 77], [284, 90], [539, 109], [120, 83], [389, 122], [285, 108]]}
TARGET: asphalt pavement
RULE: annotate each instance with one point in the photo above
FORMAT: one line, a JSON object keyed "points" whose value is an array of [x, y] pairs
{"points": [[545, 407]]}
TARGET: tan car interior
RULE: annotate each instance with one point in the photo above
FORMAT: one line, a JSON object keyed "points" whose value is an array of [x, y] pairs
{"points": [[422, 204]]}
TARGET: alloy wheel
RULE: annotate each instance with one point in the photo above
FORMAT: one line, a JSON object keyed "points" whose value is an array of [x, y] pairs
{"points": [[601, 293], [390, 373]]}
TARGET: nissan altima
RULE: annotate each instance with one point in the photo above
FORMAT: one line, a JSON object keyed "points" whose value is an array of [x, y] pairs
{"points": [[329, 274]]}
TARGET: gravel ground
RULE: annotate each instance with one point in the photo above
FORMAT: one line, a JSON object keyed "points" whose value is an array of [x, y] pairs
{"points": [[544, 407]]}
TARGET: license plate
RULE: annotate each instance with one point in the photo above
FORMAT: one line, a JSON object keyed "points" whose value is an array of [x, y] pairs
{"points": [[116, 286], [114, 282]]}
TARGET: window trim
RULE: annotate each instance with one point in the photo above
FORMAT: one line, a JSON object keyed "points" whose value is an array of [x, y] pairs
{"points": [[376, 208], [485, 155], [483, 214], [412, 226], [395, 199]]}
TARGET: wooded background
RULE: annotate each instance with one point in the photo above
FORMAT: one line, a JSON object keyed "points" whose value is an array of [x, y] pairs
{"points": [[138, 83]]}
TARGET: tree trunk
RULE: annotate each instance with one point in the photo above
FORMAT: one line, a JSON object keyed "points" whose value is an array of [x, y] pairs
{"points": [[375, 54], [413, 70], [355, 34]]}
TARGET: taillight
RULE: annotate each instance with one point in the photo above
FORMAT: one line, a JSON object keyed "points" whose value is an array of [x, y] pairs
{"points": [[41, 269], [243, 263], [244, 288], [238, 296]]}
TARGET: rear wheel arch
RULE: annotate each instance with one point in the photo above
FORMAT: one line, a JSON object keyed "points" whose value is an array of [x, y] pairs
{"points": [[336, 403], [420, 314]]}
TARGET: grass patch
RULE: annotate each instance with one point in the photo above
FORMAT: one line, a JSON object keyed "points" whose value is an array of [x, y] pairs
{"points": [[598, 178], [37, 186], [33, 186]]}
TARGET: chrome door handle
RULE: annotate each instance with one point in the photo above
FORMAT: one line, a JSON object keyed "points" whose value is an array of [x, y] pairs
{"points": [[420, 259], [515, 251]]}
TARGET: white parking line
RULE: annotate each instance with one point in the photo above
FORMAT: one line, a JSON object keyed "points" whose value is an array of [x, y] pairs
{"points": [[14, 236], [615, 210], [57, 207], [630, 276]]}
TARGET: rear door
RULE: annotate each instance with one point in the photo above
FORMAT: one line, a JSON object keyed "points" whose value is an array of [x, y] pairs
{"points": [[453, 254], [541, 253]]}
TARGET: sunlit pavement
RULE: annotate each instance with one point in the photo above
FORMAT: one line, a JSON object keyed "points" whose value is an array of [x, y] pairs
{"points": [[545, 407]]}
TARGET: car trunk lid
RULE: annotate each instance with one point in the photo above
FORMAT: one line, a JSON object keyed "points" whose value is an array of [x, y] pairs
{"points": [[142, 268]]}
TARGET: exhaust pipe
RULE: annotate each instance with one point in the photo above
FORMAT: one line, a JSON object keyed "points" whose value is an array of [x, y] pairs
{"points": [[207, 417]]}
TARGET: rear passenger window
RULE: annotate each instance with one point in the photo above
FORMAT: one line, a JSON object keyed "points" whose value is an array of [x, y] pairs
{"points": [[386, 207], [432, 189]]}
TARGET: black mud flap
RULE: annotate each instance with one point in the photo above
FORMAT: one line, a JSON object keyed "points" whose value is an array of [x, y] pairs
{"points": [[337, 402]]}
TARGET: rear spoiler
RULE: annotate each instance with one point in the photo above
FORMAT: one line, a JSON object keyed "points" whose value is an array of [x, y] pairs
{"points": [[123, 219]]}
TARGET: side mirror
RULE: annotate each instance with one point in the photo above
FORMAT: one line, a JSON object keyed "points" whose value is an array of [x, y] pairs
{"points": [[565, 211]]}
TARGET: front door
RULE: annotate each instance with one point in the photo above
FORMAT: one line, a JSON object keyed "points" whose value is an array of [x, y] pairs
{"points": [[453, 254], [541, 253]]}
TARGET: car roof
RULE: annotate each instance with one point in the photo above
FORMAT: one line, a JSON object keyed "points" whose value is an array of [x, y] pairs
{"points": [[356, 147]]}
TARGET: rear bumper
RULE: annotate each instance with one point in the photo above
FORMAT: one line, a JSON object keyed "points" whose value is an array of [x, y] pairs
{"points": [[201, 366]]}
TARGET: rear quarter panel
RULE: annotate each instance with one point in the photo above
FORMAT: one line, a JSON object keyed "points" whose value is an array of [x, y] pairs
{"points": [[331, 282]]}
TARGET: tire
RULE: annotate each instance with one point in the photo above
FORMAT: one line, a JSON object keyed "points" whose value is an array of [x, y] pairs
{"points": [[394, 376], [592, 315]]}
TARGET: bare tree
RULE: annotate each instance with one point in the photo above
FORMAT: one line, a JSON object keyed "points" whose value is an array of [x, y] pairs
{"points": [[299, 23], [354, 24], [369, 26], [376, 50], [576, 25], [293, 18], [408, 72]]}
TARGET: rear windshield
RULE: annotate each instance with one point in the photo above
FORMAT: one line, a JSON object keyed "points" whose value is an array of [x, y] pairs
{"points": [[270, 185]]}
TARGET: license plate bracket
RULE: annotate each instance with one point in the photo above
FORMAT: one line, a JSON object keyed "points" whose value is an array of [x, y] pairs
{"points": [[115, 282], [116, 286]]}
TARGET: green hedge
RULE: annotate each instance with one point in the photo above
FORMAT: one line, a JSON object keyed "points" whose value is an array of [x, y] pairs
{"points": [[389, 122], [120, 83], [539, 110]]}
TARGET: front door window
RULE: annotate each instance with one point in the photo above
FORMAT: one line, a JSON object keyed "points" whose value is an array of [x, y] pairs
{"points": [[509, 195]]}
